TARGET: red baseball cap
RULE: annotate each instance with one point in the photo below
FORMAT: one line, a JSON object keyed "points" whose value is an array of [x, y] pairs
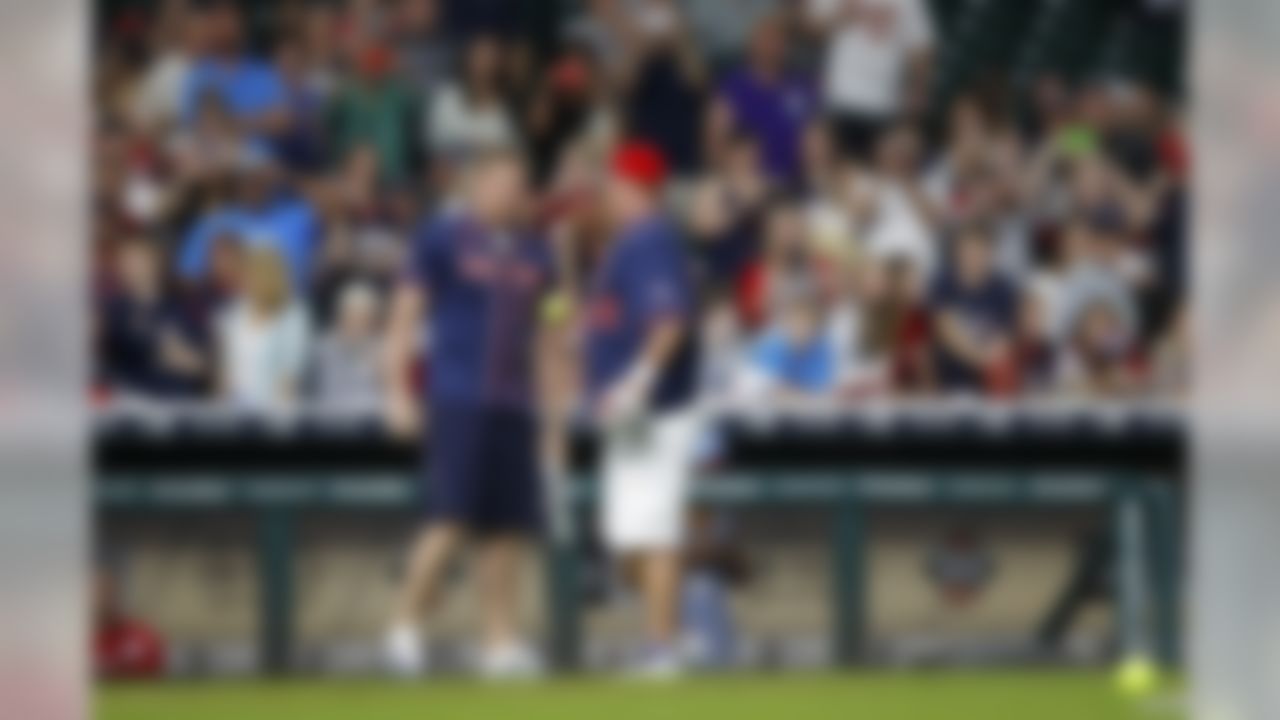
{"points": [[640, 162], [375, 61]]}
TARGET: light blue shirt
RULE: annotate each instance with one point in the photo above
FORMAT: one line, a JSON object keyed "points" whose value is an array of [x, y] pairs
{"points": [[289, 226], [247, 87], [811, 367]]}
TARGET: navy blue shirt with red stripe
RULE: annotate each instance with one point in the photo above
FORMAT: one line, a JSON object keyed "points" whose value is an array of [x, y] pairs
{"points": [[643, 278], [485, 288]]}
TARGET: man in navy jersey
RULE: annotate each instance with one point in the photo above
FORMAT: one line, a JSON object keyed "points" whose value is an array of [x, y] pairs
{"points": [[484, 277], [641, 370]]}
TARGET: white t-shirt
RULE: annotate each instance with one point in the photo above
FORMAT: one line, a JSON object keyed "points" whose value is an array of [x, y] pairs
{"points": [[867, 55], [159, 98], [897, 228], [454, 125], [846, 325], [261, 357]]}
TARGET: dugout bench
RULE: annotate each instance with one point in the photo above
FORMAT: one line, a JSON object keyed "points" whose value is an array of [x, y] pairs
{"points": [[1144, 511], [1123, 459]]}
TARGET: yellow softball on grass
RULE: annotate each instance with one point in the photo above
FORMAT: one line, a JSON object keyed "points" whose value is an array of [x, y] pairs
{"points": [[1137, 676]]}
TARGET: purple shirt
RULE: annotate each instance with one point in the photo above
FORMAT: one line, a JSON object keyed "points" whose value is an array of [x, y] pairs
{"points": [[774, 112]]}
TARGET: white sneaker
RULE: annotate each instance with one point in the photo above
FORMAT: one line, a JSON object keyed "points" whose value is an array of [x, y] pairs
{"points": [[510, 662], [404, 652], [658, 665]]}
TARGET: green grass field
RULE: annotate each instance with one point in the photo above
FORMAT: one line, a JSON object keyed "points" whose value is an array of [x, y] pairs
{"points": [[945, 695]]}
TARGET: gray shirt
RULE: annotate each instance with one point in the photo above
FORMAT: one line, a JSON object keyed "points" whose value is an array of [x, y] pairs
{"points": [[345, 374]]}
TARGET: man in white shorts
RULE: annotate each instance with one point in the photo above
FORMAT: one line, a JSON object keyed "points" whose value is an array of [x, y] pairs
{"points": [[641, 375]]}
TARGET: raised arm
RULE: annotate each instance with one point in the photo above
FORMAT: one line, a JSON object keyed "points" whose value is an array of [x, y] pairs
{"points": [[402, 412]]}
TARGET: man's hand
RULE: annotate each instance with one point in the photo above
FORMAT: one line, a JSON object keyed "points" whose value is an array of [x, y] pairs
{"points": [[177, 355], [403, 417], [626, 399]]}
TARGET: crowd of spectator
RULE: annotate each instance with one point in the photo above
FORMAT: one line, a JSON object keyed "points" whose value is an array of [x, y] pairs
{"points": [[856, 233]]}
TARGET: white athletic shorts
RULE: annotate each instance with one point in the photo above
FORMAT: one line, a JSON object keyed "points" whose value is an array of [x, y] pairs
{"points": [[648, 467]]}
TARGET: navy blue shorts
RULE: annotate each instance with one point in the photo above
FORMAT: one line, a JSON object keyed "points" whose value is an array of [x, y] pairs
{"points": [[482, 468]]}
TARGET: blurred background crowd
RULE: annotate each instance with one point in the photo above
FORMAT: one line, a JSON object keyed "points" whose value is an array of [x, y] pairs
{"points": [[883, 198]]}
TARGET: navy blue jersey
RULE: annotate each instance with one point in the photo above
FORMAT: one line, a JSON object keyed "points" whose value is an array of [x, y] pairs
{"points": [[485, 287], [644, 277], [989, 310]]}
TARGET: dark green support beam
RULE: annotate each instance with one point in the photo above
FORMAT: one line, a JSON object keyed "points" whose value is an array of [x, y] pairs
{"points": [[1131, 571], [563, 616], [275, 573], [848, 581], [1166, 562]]}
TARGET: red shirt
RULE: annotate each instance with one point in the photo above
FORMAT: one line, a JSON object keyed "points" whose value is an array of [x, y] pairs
{"points": [[911, 341], [125, 648]]}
